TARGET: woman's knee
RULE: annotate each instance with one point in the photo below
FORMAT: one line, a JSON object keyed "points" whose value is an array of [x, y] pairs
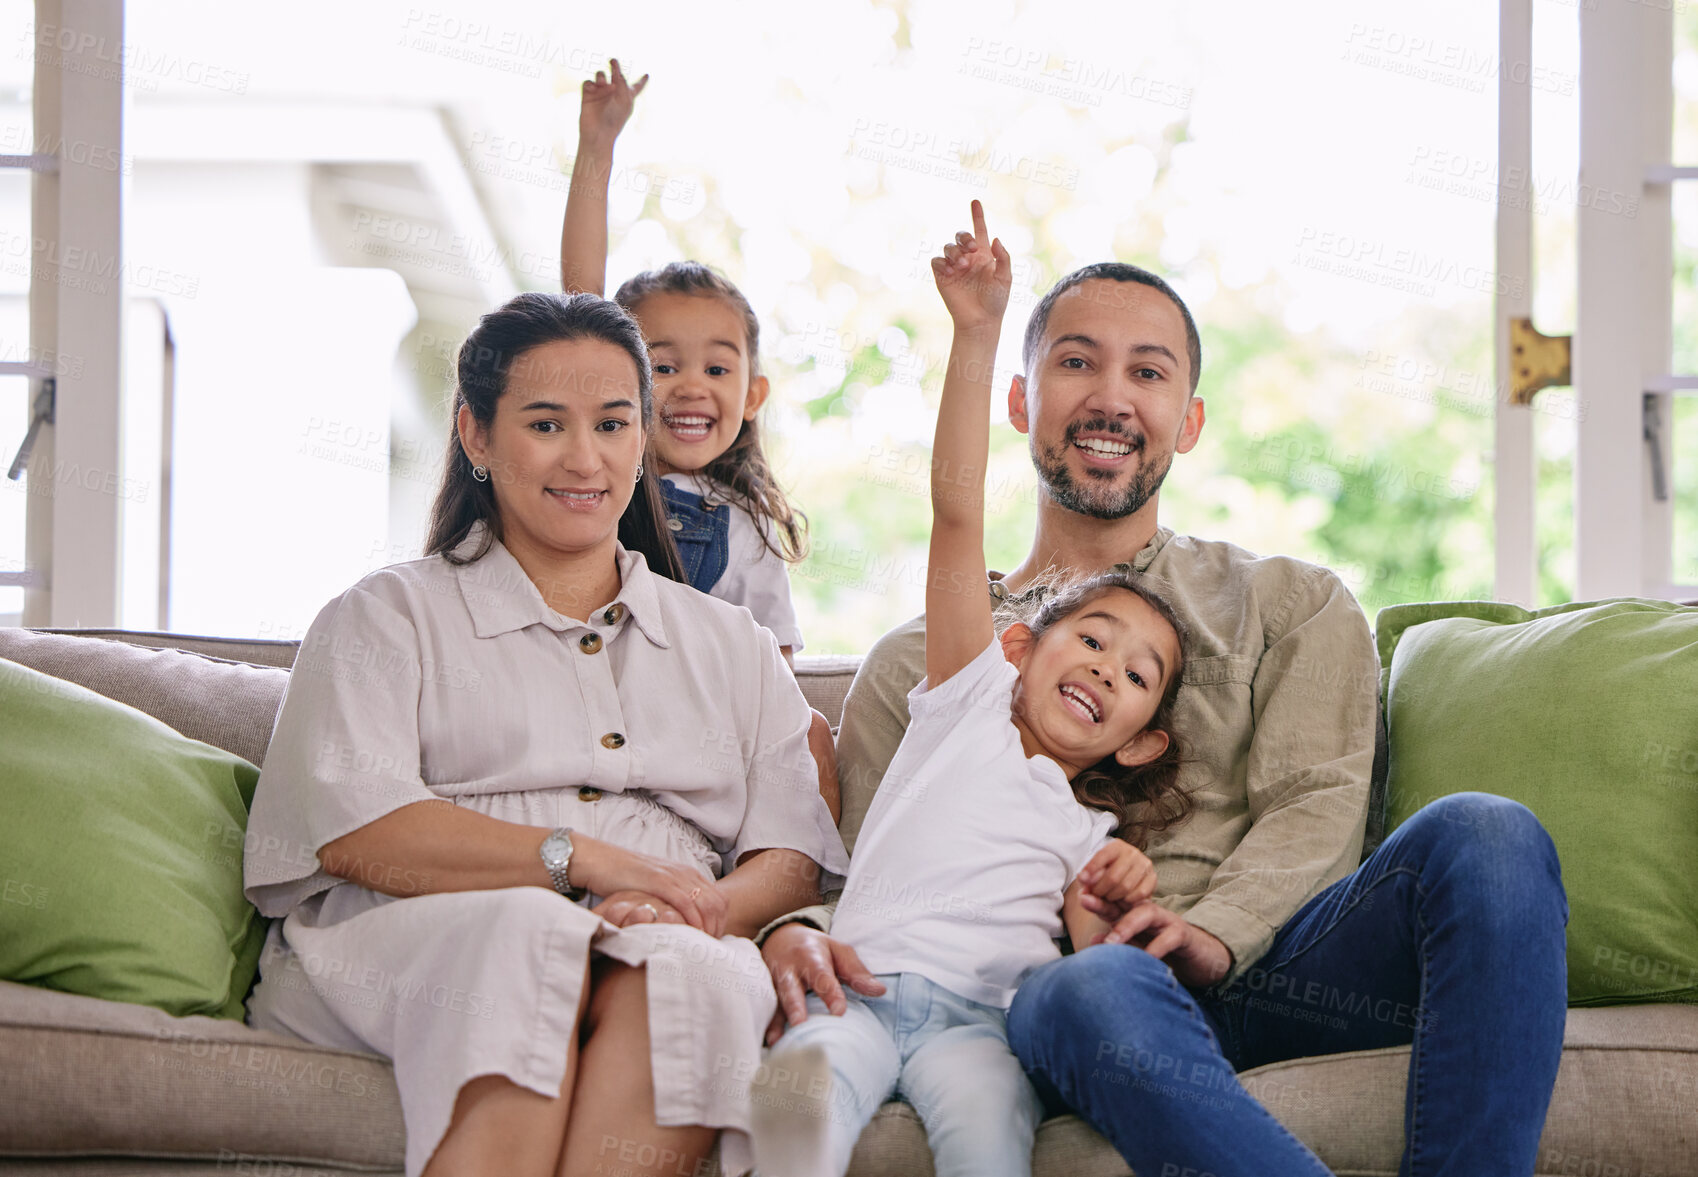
{"points": [[619, 995]]}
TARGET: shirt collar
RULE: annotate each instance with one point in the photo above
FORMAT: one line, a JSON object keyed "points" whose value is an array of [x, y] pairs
{"points": [[502, 598], [1138, 564]]}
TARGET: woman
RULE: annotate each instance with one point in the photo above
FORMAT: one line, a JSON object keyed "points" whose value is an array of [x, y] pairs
{"points": [[532, 709]]}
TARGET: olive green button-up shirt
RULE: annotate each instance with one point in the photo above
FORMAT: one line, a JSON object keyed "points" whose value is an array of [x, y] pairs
{"points": [[1276, 716]]}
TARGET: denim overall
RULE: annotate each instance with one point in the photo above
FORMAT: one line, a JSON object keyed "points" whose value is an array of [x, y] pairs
{"points": [[702, 532]]}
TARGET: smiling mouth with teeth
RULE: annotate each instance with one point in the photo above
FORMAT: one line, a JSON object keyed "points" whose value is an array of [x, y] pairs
{"points": [[1101, 447], [1075, 695], [689, 426]]}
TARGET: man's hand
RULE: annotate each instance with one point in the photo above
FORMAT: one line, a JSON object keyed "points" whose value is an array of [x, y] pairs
{"points": [[1197, 959], [974, 276], [1118, 874], [804, 960], [607, 105]]}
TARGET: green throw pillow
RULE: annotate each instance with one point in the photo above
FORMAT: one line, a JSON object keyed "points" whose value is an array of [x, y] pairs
{"points": [[120, 853], [1587, 714]]}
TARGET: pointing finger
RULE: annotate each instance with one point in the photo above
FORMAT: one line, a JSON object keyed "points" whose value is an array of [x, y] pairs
{"points": [[980, 233]]}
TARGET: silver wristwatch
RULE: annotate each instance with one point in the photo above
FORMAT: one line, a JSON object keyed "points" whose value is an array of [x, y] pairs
{"points": [[557, 857]]}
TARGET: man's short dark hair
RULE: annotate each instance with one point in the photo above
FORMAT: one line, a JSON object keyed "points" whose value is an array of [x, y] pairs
{"points": [[1117, 272]]}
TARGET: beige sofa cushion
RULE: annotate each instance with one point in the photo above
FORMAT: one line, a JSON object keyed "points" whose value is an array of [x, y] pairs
{"points": [[88, 1077], [91, 1077], [230, 705], [1626, 1103]]}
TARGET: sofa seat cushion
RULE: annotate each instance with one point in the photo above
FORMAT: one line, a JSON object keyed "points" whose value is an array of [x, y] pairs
{"points": [[91, 1078], [1623, 1105], [86, 1077], [229, 705]]}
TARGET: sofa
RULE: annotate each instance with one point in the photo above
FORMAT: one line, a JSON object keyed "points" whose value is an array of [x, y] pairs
{"points": [[96, 1087]]}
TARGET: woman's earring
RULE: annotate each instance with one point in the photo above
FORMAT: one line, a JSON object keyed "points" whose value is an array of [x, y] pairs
{"points": [[639, 471], [481, 473]]}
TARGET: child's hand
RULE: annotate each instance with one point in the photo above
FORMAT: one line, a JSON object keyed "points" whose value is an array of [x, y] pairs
{"points": [[607, 105], [1117, 877], [974, 276]]}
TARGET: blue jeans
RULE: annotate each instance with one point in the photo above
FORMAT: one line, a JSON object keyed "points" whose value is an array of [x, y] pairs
{"points": [[1450, 936], [945, 1055]]}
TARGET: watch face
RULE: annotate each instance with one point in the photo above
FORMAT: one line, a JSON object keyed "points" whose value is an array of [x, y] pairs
{"points": [[556, 849]]}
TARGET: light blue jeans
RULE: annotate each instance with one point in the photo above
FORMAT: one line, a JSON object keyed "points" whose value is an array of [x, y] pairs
{"points": [[945, 1055]]}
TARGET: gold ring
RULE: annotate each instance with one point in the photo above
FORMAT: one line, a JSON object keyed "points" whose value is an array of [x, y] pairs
{"points": [[697, 891]]}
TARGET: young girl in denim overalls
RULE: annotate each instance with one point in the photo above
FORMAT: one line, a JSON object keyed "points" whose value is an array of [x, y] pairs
{"points": [[735, 530]]}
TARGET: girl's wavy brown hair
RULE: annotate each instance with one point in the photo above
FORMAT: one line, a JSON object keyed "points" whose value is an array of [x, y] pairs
{"points": [[1145, 798], [743, 468]]}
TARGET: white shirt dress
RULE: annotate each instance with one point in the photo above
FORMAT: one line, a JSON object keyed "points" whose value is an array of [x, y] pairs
{"points": [[668, 724]]}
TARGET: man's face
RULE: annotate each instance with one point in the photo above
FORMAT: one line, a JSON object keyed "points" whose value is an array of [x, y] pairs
{"points": [[1108, 400]]}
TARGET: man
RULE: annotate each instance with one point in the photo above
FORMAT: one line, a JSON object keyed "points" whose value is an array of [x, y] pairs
{"points": [[1265, 939]]}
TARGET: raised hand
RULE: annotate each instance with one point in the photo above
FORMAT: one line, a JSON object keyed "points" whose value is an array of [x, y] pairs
{"points": [[607, 104], [974, 276]]}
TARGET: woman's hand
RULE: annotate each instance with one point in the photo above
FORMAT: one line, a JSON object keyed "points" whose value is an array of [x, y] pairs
{"points": [[623, 908], [1117, 877], [607, 105], [974, 277], [609, 870]]}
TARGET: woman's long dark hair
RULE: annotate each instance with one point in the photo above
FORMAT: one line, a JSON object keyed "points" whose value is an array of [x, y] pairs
{"points": [[1145, 798], [742, 468], [487, 358]]}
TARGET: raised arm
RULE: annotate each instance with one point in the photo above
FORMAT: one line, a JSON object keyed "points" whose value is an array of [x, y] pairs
{"points": [[583, 236], [974, 277]]}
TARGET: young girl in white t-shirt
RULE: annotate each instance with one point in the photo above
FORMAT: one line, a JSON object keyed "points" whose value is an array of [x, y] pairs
{"points": [[993, 830]]}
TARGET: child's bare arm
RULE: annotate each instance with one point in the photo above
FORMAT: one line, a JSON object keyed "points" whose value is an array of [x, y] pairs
{"points": [[974, 278], [583, 235], [1083, 928]]}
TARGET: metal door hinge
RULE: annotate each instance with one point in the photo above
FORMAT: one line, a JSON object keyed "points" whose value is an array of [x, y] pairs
{"points": [[1536, 361]]}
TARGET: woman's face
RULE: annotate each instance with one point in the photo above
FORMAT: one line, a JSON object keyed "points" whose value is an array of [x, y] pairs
{"points": [[563, 448]]}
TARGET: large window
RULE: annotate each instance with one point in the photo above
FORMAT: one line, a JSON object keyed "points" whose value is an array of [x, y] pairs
{"points": [[339, 194]]}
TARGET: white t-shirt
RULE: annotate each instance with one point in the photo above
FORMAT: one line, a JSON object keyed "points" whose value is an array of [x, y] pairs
{"points": [[960, 867], [755, 576]]}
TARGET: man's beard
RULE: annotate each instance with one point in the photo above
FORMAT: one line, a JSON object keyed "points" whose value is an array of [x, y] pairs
{"points": [[1096, 497]]}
